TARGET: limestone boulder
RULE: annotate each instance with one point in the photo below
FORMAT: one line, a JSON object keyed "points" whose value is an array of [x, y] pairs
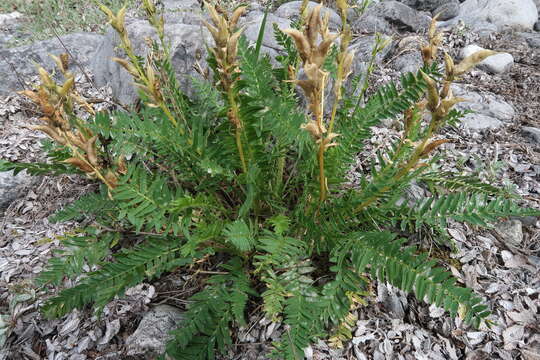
{"points": [[18, 64]]}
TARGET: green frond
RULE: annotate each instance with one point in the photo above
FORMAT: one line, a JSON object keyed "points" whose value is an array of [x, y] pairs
{"points": [[391, 261], [239, 234], [146, 200], [284, 268], [476, 209], [38, 168], [304, 327], [465, 183], [211, 313], [88, 249], [93, 204], [146, 261]]}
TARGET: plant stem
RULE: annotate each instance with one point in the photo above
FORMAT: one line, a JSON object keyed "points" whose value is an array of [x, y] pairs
{"points": [[338, 84], [319, 118], [279, 173], [322, 178], [170, 115], [238, 130]]}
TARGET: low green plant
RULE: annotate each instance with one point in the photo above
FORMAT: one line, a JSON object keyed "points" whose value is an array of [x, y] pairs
{"points": [[242, 178], [47, 18]]}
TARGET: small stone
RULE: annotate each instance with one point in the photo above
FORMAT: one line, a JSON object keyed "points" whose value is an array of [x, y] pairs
{"points": [[526, 220], [10, 18], [152, 333], [447, 11], [11, 186], [532, 39], [532, 133], [502, 13], [495, 64], [481, 122], [488, 111], [511, 231], [291, 9]]}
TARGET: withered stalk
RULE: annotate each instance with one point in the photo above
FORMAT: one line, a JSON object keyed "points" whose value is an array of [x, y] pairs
{"points": [[226, 35], [313, 54], [145, 78]]}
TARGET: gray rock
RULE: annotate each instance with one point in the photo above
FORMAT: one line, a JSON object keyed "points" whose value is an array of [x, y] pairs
{"points": [[363, 47], [152, 334], [411, 3], [481, 122], [408, 62], [392, 300], [291, 10], [537, 26], [532, 133], [11, 187], [426, 5], [502, 13], [489, 112], [408, 57], [188, 47], [511, 231], [527, 221], [17, 64], [391, 15], [371, 24], [253, 24], [532, 39], [10, 18], [182, 12], [447, 10], [495, 64]]}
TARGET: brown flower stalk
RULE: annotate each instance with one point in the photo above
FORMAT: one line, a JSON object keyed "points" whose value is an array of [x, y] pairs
{"points": [[226, 35], [145, 76], [313, 54], [439, 101], [60, 123]]}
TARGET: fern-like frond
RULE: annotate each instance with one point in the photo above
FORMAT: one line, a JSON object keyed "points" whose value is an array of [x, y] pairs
{"points": [[463, 183], [130, 267], [38, 168], [79, 251], [211, 313], [390, 260], [84, 207], [476, 209], [146, 201], [304, 327], [239, 234], [284, 268]]}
